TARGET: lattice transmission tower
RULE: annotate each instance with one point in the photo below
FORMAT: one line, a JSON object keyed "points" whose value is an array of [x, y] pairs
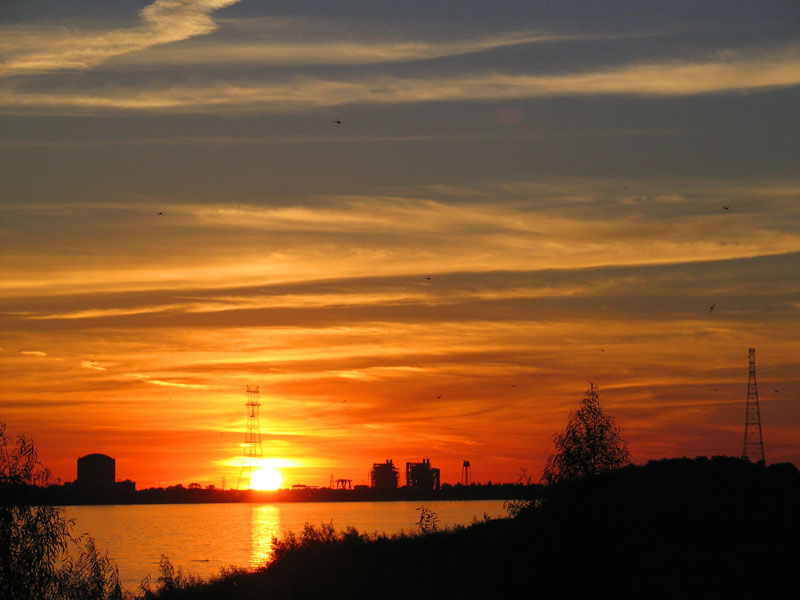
{"points": [[753, 441], [253, 453]]}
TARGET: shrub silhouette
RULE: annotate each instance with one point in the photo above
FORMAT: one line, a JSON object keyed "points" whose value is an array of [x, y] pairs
{"points": [[428, 520]]}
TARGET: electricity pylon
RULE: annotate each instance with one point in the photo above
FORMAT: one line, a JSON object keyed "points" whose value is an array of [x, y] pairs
{"points": [[753, 440], [253, 453]]}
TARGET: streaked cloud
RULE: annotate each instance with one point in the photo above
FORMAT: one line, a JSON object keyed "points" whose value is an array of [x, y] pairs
{"points": [[514, 225], [721, 74], [279, 50], [188, 386], [38, 49]]}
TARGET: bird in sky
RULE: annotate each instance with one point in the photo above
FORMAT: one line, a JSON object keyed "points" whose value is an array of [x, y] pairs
{"points": [[726, 207], [337, 121], [161, 213], [428, 277], [711, 308]]}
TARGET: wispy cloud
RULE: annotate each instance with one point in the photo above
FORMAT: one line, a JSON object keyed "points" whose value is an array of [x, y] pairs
{"points": [[188, 386], [513, 225], [35, 50], [266, 41], [278, 51], [725, 72]]}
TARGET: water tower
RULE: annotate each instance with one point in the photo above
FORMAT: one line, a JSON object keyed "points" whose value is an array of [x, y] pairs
{"points": [[466, 473]]}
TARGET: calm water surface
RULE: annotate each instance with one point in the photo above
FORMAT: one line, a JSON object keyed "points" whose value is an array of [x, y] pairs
{"points": [[202, 538]]}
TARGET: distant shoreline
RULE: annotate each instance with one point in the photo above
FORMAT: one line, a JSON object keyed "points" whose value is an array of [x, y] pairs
{"points": [[73, 495]]}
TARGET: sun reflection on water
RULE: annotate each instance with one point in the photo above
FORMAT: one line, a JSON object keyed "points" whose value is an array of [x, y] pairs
{"points": [[266, 524]]}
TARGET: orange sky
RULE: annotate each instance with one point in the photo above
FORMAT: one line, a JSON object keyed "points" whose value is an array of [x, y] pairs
{"points": [[480, 363], [184, 215]]}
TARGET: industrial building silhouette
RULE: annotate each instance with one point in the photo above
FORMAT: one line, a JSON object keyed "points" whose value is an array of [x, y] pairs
{"points": [[384, 476], [97, 473], [422, 476], [419, 475]]}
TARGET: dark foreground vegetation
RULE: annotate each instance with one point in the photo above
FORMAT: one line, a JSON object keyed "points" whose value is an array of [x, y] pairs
{"points": [[678, 528]]}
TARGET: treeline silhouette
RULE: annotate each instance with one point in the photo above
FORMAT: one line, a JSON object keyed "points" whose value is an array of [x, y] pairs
{"points": [[675, 528], [60, 495]]}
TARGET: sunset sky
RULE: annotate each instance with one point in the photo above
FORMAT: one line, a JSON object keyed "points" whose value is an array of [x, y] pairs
{"points": [[520, 197]]}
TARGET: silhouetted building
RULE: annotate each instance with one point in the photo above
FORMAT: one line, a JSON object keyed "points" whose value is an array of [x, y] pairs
{"points": [[96, 471], [97, 477], [422, 476], [384, 476]]}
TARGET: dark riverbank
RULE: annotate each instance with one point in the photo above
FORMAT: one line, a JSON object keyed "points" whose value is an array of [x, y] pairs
{"points": [[718, 528], [73, 495]]}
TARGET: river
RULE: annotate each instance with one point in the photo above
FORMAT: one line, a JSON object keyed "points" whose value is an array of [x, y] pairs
{"points": [[202, 538]]}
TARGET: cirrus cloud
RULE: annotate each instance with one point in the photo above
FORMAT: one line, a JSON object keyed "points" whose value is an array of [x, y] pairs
{"points": [[37, 49], [721, 73]]}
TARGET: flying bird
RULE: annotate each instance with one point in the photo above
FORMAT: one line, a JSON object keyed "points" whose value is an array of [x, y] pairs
{"points": [[726, 208], [337, 121], [161, 213], [428, 277], [711, 308]]}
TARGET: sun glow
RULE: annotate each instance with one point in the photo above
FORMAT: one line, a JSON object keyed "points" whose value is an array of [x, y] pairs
{"points": [[266, 478]]}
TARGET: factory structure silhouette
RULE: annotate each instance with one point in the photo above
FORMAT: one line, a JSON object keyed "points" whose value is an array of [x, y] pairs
{"points": [[97, 474], [96, 483], [96, 479]]}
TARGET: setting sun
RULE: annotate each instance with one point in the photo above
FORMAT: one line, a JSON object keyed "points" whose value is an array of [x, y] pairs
{"points": [[266, 478]]}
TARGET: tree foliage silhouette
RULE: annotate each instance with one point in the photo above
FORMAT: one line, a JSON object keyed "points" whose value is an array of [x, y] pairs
{"points": [[35, 541], [590, 446]]}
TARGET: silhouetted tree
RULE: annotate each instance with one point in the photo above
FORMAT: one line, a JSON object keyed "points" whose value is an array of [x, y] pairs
{"points": [[590, 446], [35, 562]]}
